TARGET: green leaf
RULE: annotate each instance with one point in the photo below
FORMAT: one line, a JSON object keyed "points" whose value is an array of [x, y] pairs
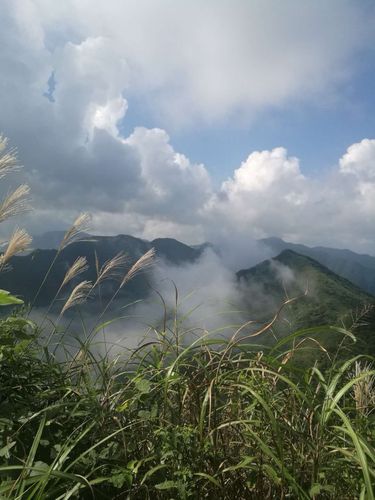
{"points": [[4, 451], [121, 477], [143, 386], [38, 468], [166, 485], [315, 489], [6, 299], [144, 414]]}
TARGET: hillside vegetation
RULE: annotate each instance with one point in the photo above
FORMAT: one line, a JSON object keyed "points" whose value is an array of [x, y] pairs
{"points": [[212, 419], [323, 298], [357, 268]]}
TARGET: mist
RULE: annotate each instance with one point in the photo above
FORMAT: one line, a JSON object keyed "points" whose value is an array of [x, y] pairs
{"points": [[204, 297]]}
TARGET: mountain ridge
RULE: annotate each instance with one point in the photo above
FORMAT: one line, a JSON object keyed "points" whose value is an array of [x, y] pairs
{"points": [[357, 268], [28, 271], [325, 296]]}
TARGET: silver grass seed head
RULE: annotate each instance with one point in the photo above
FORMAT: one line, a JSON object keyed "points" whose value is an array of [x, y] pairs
{"points": [[80, 225], [140, 265], [18, 242], [78, 295], [15, 203], [78, 267]]}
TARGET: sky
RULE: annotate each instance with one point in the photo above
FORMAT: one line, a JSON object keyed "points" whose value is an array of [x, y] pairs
{"points": [[216, 120]]}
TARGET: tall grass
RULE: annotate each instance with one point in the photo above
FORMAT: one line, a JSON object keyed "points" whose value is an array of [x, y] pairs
{"points": [[168, 421]]}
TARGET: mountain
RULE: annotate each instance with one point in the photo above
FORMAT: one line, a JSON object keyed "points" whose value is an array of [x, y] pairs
{"points": [[168, 248], [51, 240], [357, 268], [324, 297], [176, 252], [28, 271], [264, 287]]}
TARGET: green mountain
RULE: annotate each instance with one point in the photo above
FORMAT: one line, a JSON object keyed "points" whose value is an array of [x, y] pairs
{"points": [[322, 297], [357, 268], [168, 248], [28, 271]]}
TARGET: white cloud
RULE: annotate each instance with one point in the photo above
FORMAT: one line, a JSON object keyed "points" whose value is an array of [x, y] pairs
{"points": [[268, 195], [171, 183], [268, 190], [359, 160], [263, 171], [192, 63]]}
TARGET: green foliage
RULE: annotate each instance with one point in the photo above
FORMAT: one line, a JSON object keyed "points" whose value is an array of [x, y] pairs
{"points": [[230, 421], [6, 299]]}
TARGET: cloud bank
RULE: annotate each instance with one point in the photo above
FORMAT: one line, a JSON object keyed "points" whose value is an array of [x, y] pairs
{"points": [[70, 71]]}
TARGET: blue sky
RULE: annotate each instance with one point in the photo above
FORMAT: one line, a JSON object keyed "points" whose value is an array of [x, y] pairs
{"points": [[318, 133], [227, 120]]}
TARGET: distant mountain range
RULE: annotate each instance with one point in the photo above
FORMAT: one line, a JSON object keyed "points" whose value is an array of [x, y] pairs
{"points": [[28, 271], [357, 268], [168, 248], [336, 281]]}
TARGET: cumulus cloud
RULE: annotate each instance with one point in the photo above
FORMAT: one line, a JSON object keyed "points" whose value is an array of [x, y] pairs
{"points": [[170, 181], [70, 71], [359, 160], [267, 191], [269, 195]]}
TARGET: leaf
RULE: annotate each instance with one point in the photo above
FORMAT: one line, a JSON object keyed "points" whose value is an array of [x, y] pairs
{"points": [[209, 478], [143, 386], [121, 477], [166, 485], [144, 414], [315, 489], [38, 468], [4, 451], [6, 299]]}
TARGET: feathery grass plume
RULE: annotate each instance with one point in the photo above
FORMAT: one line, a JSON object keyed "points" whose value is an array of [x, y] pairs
{"points": [[15, 203], [19, 242], [144, 262], [8, 158], [79, 266], [364, 388], [78, 295], [110, 268], [3, 143], [80, 225], [141, 264]]}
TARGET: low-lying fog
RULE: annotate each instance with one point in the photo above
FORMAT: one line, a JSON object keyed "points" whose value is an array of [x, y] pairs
{"points": [[204, 296]]}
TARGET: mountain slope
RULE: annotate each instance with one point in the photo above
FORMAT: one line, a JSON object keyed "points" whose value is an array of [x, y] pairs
{"points": [[28, 271], [357, 268], [324, 297]]}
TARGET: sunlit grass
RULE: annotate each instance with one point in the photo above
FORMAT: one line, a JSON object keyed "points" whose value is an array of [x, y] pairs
{"points": [[174, 421]]}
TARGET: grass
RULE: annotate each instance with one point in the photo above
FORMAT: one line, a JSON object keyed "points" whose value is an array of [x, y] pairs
{"points": [[213, 419]]}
